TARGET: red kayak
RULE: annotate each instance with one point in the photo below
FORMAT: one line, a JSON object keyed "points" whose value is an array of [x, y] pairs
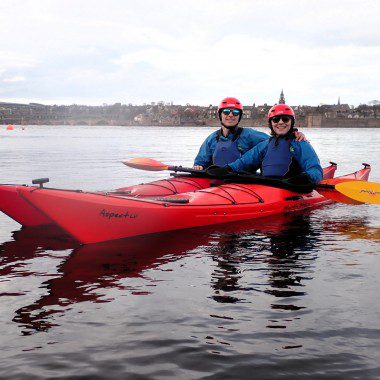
{"points": [[27, 215], [95, 217]]}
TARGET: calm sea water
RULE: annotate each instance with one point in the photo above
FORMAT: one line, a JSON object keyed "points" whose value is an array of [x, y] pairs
{"points": [[283, 298]]}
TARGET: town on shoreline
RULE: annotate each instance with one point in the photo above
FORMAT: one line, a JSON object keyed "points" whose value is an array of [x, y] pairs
{"points": [[168, 114]]}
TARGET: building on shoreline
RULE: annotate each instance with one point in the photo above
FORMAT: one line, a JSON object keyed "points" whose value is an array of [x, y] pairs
{"points": [[167, 114]]}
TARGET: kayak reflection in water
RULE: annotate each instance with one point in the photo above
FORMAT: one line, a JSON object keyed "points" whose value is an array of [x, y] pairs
{"points": [[292, 253], [283, 243], [90, 272], [230, 142], [270, 261], [281, 156], [29, 244]]}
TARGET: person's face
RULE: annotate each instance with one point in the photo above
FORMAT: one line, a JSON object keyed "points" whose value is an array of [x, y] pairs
{"points": [[281, 124], [230, 117]]}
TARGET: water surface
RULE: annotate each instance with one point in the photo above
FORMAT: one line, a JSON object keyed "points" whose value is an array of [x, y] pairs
{"points": [[279, 298]]}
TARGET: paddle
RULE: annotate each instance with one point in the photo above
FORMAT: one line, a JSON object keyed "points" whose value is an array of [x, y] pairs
{"points": [[348, 191], [361, 191], [334, 195], [156, 166]]}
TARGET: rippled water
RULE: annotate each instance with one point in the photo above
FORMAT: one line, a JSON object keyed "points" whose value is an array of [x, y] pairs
{"points": [[280, 298]]}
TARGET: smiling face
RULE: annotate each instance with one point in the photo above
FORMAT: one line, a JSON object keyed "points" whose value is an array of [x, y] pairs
{"points": [[230, 120], [281, 125]]}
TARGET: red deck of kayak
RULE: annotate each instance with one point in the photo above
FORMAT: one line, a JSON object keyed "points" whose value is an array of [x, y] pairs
{"points": [[27, 215], [94, 217]]}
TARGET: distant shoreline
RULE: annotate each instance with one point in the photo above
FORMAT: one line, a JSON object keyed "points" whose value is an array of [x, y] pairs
{"points": [[185, 126], [325, 116]]}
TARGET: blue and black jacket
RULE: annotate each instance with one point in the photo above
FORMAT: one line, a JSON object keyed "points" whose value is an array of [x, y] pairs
{"points": [[246, 140], [300, 154]]}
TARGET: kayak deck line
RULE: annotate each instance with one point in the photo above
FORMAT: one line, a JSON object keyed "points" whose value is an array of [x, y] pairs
{"points": [[171, 186], [184, 179], [229, 196]]}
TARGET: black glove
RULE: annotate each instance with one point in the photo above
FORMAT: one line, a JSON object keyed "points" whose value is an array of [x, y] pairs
{"points": [[218, 171], [300, 179]]}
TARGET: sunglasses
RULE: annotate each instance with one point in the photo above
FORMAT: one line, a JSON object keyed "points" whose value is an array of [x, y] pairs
{"points": [[227, 111], [285, 119]]}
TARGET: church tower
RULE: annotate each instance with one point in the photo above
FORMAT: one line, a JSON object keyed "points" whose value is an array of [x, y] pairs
{"points": [[282, 98]]}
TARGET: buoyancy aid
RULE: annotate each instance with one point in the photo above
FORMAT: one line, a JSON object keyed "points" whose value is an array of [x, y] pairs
{"points": [[278, 160], [226, 151]]}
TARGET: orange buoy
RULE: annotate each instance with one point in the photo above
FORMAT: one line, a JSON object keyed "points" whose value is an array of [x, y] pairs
{"points": [[10, 127]]}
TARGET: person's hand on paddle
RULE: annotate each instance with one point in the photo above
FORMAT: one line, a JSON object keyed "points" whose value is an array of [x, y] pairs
{"points": [[218, 171], [198, 167], [301, 180]]}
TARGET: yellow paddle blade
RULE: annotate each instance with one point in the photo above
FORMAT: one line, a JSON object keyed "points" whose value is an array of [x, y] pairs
{"points": [[335, 195], [362, 191], [146, 164]]}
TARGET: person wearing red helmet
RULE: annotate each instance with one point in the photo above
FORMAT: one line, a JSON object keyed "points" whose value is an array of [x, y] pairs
{"points": [[230, 142], [281, 156], [286, 114]]}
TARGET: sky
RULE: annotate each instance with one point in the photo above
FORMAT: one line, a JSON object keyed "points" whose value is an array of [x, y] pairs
{"points": [[196, 52]]}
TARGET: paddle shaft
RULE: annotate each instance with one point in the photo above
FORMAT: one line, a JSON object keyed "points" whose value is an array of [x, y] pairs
{"points": [[275, 182], [181, 169], [246, 178], [361, 191]]}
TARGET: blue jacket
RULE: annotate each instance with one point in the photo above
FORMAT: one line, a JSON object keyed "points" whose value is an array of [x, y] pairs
{"points": [[246, 141], [301, 151]]}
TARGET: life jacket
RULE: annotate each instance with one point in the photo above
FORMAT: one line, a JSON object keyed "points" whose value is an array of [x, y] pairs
{"points": [[278, 160], [226, 151]]}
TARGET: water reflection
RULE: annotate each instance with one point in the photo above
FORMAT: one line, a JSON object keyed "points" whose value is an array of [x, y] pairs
{"points": [[277, 259], [272, 257], [354, 228], [293, 250], [227, 273], [274, 247], [269, 264], [91, 270], [26, 245]]}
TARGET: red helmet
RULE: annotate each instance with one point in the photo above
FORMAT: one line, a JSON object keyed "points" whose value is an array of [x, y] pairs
{"points": [[281, 109], [230, 103]]}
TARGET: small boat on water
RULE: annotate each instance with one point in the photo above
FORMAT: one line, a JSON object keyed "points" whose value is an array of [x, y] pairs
{"points": [[27, 215], [95, 217]]}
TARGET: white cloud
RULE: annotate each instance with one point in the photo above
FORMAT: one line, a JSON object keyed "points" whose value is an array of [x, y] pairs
{"points": [[16, 78], [16, 60], [191, 51]]}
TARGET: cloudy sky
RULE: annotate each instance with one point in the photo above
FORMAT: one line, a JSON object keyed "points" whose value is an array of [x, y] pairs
{"points": [[197, 52]]}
